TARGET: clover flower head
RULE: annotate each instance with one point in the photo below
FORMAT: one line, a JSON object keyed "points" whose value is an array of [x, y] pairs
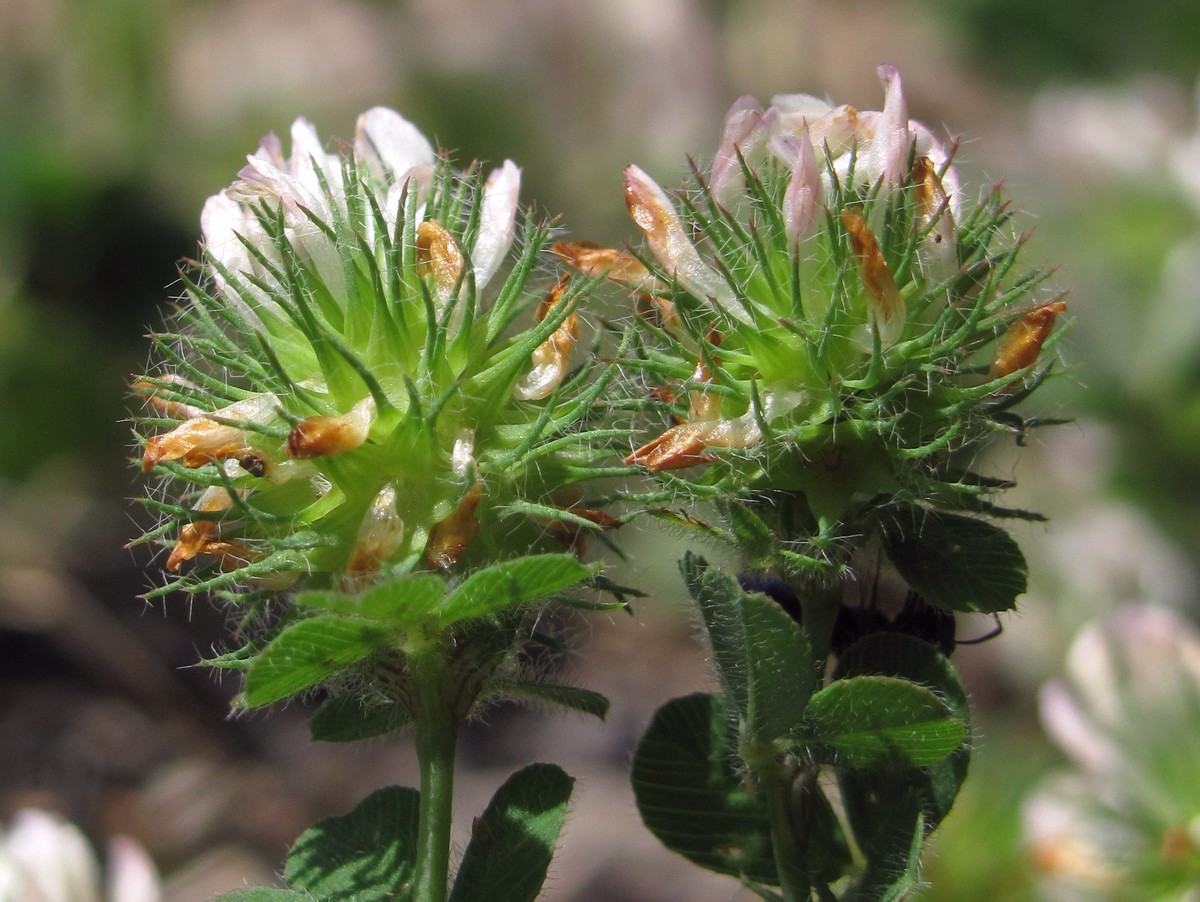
{"points": [[1125, 821], [369, 373], [828, 316]]}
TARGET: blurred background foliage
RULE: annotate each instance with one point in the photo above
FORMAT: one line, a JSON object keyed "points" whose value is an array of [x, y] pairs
{"points": [[119, 117]]}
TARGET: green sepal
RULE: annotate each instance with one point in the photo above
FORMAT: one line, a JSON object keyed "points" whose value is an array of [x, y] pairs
{"points": [[878, 722], [263, 894], [307, 652], [691, 795], [513, 841], [955, 562], [362, 856]]}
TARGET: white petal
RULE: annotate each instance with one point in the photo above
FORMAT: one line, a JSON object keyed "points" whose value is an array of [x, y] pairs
{"points": [[497, 221], [132, 876], [654, 213], [307, 151], [221, 222], [53, 858], [805, 105], [887, 157], [391, 146]]}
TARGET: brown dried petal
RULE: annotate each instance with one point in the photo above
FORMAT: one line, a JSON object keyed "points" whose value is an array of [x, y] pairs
{"points": [[450, 537], [883, 298], [438, 256], [551, 357], [1020, 345]]}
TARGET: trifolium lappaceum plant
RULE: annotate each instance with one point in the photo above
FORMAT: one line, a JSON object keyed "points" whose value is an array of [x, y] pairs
{"points": [[830, 328], [365, 428]]}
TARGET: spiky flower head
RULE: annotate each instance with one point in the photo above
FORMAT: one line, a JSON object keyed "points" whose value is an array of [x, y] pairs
{"points": [[831, 324], [362, 380]]}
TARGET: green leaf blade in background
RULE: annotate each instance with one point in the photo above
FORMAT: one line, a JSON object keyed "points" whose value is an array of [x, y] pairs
{"points": [[345, 718], [879, 722], [509, 585], [307, 652], [362, 856], [691, 796], [263, 894], [955, 562], [513, 842]]}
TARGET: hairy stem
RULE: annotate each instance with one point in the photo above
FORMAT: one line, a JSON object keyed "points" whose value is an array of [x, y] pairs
{"points": [[436, 725], [786, 839]]}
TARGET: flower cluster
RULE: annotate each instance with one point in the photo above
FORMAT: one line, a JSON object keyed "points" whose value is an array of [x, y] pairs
{"points": [[1125, 823], [338, 401], [828, 318]]}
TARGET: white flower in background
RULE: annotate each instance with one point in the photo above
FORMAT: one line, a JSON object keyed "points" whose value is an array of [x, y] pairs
{"points": [[1125, 824], [46, 859]]}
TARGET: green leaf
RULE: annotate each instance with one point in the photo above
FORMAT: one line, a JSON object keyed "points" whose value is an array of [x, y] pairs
{"points": [[362, 856], [691, 796], [513, 842], [955, 562], [404, 601], [892, 654], [585, 701], [310, 651], [262, 894], [875, 721], [763, 656], [890, 828], [346, 719], [510, 584]]}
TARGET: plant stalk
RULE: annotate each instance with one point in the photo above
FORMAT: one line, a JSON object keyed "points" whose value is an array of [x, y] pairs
{"points": [[436, 735], [790, 856]]}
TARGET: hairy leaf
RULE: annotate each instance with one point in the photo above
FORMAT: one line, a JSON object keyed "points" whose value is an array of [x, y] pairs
{"points": [[310, 651], [362, 856], [513, 842], [691, 796]]}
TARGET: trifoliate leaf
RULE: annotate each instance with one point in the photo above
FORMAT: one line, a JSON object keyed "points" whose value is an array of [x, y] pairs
{"points": [[513, 842], [879, 722], [362, 856], [691, 795], [955, 562]]}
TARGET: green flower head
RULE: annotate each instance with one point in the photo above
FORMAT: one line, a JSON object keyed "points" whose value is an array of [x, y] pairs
{"points": [[830, 323], [365, 378]]}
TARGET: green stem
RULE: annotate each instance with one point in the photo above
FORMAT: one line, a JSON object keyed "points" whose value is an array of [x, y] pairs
{"points": [[436, 726], [790, 856]]}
